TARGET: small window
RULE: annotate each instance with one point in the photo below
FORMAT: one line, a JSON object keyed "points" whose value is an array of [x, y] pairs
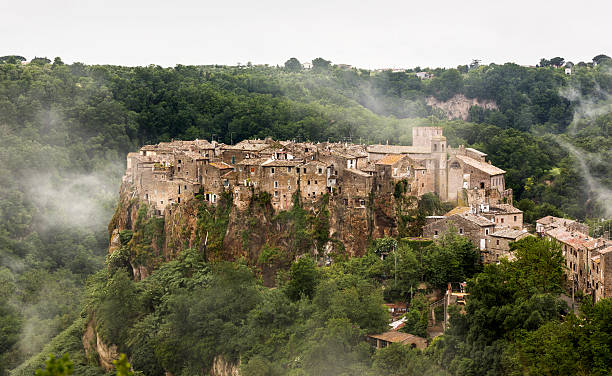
{"points": [[304, 169], [179, 161], [252, 169], [515, 218], [308, 182], [233, 159], [486, 231], [275, 184], [316, 182], [275, 193], [497, 242], [436, 232], [161, 202], [320, 170], [461, 231], [288, 169], [272, 169], [502, 220]]}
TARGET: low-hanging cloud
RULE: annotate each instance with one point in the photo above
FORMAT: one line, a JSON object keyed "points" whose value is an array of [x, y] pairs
{"points": [[587, 108], [82, 200]]}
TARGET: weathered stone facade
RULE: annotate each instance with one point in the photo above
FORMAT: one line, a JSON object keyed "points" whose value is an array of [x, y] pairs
{"points": [[475, 228], [586, 259]]}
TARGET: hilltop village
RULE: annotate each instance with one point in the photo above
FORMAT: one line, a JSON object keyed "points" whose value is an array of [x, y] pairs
{"points": [[353, 177], [169, 172]]}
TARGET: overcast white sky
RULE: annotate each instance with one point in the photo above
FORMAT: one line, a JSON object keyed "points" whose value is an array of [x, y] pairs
{"points": [[368, 34]]}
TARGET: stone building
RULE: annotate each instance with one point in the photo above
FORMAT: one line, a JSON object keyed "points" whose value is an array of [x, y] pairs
{"points": [[474, 227], [280, 177], [549, 222], [587, 259], [380, 341], [453, 172], [498, 244], [314, 180]]}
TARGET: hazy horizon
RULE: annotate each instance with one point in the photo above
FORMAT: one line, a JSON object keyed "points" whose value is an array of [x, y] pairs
{"points": [[383, 35]]}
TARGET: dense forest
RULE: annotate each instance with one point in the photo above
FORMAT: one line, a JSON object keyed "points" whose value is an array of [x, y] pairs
{"points": [[67, 127]]}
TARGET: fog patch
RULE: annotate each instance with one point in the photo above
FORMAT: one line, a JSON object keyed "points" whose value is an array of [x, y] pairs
{"points": [[81, 200], [602, 194], [587, 107]]}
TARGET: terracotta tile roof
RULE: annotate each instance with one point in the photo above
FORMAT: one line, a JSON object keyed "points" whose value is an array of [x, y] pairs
{"points": [[510, 233], [458, 210], [480, 221], [358, 172], [395, 337], [549, 220], [506, 208], [252, 161], [606, 250], [390, 159], [220, 165], [478, 152], [313, 163], [575, 239], [249, 145], [281, 163], [397, 149], [482, 166], [369, 167]]}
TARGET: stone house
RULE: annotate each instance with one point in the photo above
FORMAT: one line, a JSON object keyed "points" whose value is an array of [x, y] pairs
{"points": [[314, 180], [474, 227], [280, 177], [355, 188], [391, 169], [499, 243], [214, 180], [578, 250], [548, 223], [601, 273], [380, 341]]}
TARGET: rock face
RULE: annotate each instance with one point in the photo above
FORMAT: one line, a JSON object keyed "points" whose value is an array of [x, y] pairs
{"points": [[221, 367], [458, 107], [93, 344], [266, 238]]}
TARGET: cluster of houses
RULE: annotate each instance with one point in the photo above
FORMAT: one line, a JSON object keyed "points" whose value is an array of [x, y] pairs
{"points": [[493, 227], [587, 259], [490, 227], [172, 172]]}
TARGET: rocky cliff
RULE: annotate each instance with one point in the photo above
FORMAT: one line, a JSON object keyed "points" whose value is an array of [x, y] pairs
{"points": [[458, 107], [268, 239]]}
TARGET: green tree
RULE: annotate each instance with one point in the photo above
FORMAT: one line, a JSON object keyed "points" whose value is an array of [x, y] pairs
{"points": [[122, 366], [57, 366], [302, 279], [293, 65], [557, 61], [321, 64], [600, 58]]}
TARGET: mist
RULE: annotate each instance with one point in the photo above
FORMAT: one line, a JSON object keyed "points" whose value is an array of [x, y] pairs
{"points": [[76, 200], [587, 107]]}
